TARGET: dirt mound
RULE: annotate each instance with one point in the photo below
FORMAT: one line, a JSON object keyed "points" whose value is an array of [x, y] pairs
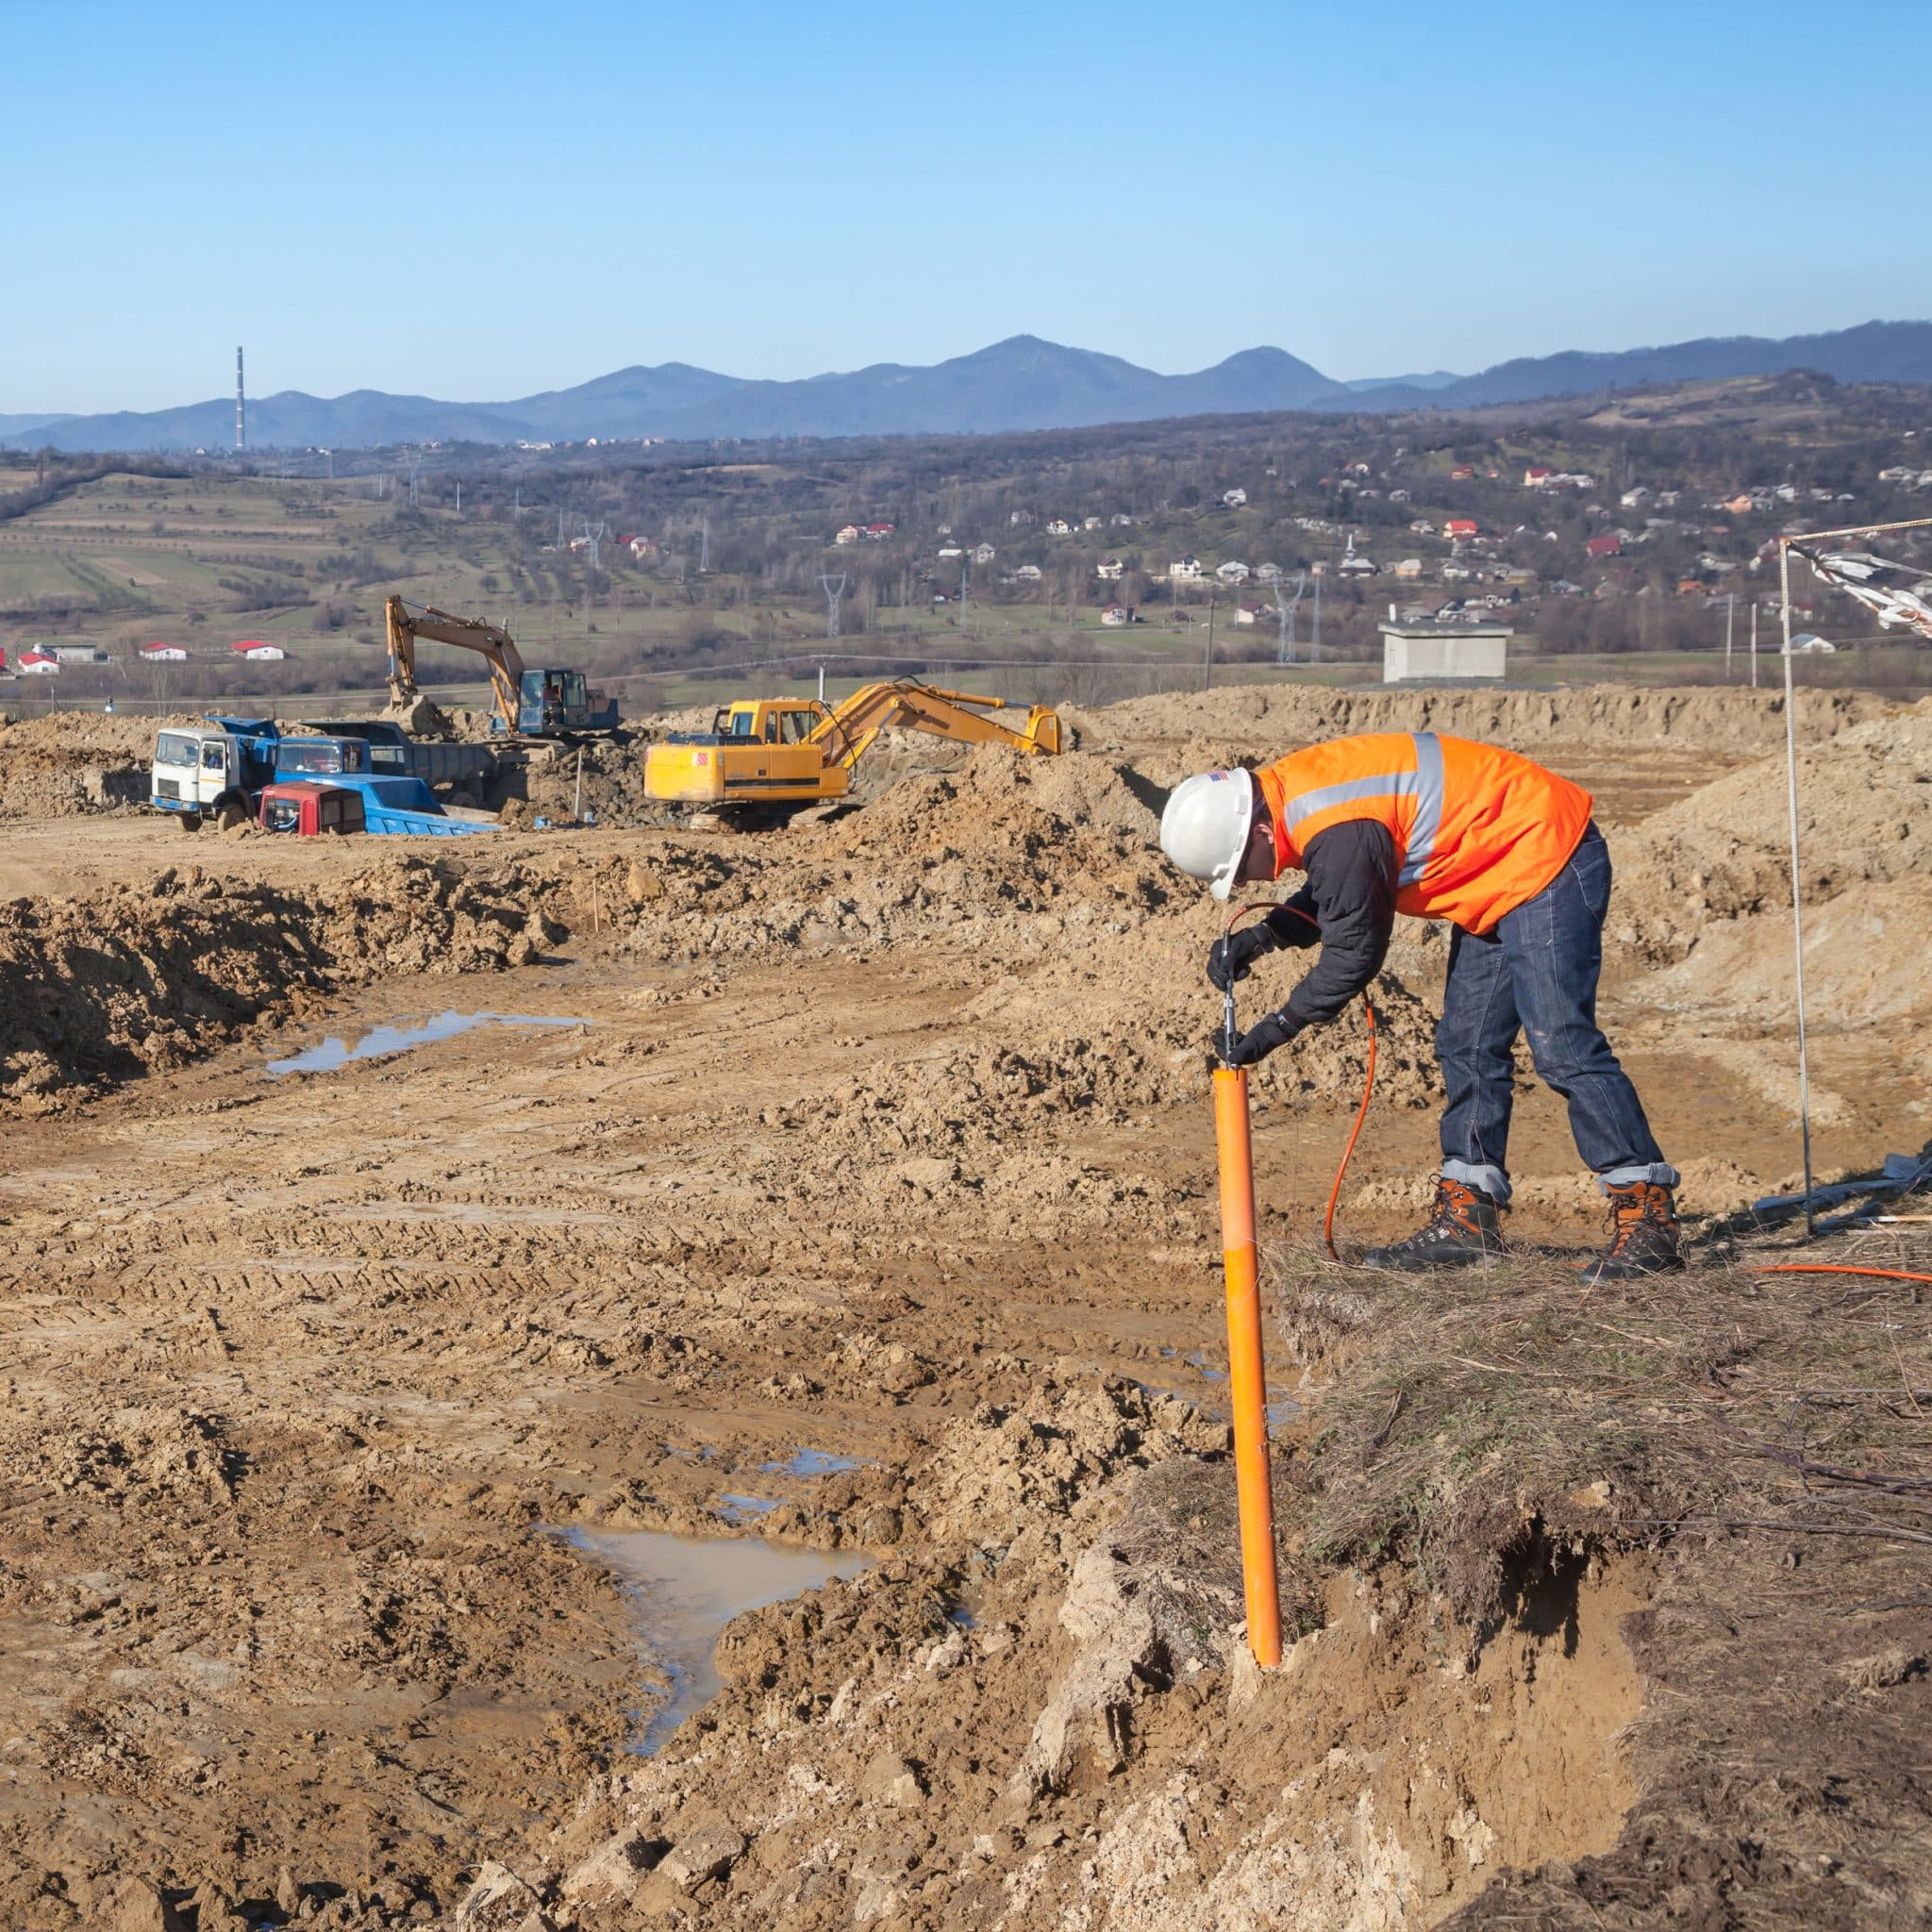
{"points": [[72, 763], [1266, 721], [1865, 962], [1864, 813], [157, 972]]}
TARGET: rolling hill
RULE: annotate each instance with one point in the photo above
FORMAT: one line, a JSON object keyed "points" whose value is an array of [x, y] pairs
{"points": [[1022, 383]]}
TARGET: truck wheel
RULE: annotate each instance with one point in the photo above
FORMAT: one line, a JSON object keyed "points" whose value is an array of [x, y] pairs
{"points": [[189, 821], [230, 813]]}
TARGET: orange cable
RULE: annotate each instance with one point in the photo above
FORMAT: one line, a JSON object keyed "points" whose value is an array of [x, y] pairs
{"points": [[1838, 1268]]}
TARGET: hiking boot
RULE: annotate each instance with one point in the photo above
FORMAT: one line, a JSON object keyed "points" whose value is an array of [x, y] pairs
{"points": [[1464, 1227], [1643, 1235]]}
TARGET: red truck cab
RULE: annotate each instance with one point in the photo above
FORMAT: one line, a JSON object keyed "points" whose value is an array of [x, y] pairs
{"points": [[309, 809]]}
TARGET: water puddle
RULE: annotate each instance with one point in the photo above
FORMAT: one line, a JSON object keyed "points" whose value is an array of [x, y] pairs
{"points": [[335, 1052], [743, 1509], [811, 1462], [685, 1590]]}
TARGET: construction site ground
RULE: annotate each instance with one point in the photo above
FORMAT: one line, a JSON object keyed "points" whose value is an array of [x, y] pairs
{"points": [[885, 1137]]}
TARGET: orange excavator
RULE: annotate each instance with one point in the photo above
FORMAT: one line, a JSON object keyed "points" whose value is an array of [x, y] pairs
{"points": [[796, 751], [548, 703]]}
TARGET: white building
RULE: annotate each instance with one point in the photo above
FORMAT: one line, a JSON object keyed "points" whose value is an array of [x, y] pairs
{"points": [[1232, 572], [984, 553], [163, 653], [1184, 570], [1414, 652], [1234, 498]]}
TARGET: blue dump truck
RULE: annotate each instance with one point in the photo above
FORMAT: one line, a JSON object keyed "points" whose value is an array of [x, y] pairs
{"points": [[393, 754], [306, 808], [223, 768]]}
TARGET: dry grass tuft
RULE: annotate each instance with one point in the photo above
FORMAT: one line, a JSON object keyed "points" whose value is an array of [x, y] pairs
{"points": [[1494, 1413]]}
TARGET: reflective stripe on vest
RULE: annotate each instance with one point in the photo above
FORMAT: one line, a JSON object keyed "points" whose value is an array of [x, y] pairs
{"points": [[1424, 784]]}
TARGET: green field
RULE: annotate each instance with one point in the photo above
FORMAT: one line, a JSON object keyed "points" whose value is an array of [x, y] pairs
{"points": [[205, 561]]}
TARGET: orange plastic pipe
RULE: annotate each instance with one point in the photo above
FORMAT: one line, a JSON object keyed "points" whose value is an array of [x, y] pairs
{"points": [[1246, 1384]]}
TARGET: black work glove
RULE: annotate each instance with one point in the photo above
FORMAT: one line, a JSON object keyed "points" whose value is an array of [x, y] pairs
{"points": [[1229, 957], [1257, 1043]]}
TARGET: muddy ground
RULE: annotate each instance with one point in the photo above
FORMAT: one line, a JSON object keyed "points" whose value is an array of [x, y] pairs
{"points": [[886, 1137]]}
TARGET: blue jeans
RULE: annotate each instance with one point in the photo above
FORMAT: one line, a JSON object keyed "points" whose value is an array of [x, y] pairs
{"points": [[1537, 971]]}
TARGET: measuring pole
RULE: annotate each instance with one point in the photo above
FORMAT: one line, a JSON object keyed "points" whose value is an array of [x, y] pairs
{"points": [[1247, 1385], [1730, 620], [577, 809], [1784, 564], [1754, 642]]}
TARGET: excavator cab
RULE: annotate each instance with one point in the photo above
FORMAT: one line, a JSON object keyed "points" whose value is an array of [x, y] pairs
{"points": [[553, 701]]}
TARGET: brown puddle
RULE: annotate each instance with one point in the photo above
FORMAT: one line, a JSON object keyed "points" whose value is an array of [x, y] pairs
{"points": [[685, 1590]]}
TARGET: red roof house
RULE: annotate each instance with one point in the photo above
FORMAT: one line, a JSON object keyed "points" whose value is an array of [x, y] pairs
{"points": [[1605, 546]]}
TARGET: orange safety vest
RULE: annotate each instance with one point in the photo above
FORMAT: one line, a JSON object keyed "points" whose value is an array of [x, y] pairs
{"points": [[1479, 830]]}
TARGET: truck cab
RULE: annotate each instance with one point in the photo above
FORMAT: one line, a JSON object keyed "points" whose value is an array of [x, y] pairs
{"points": [[310, 810], [321, 757], [199, 771]]}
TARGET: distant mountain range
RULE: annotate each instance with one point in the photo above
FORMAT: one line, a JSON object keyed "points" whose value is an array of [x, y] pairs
{"points": [[1021, 383]]}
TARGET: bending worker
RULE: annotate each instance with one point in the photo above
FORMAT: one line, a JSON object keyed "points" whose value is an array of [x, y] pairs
{"points": [[1508, 853]]}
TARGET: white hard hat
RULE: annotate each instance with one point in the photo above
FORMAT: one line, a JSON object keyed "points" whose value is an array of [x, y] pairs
{"points": [[1204, 828]]}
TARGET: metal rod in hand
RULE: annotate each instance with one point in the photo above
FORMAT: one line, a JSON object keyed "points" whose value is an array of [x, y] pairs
{"points": [[1247, 1385]]}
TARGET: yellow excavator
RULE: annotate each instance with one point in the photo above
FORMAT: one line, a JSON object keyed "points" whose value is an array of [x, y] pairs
{"points": [[537, 704], [779, 751]]}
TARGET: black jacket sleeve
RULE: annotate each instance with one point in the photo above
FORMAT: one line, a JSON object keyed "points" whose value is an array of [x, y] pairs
{"points": [[1351, 870]]}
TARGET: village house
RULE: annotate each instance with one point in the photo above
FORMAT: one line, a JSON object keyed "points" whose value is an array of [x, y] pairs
{"points": [[984, 553], [1537, 478], [1108, 570], [951, 550], [78, 654], [877, 533], [1115, 616], [38, 664], [1459, 529], [164, 654], [645, 548], [1267, 573], [1249, 614], [1232, 572], [1185, 569], [1059, 526], [1090, 523], [1234, 498], [1027, 574], [1423, 527], [259, 652], [1635, 499], [1121, 520], [1409, 567], [1462, 473], [847, 534], [1604, 546]]}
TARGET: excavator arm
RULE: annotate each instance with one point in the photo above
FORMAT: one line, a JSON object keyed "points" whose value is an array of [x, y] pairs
{"points": [[409, 622], [846, 733]]}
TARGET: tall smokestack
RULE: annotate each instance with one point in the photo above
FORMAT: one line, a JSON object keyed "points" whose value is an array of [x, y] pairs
{"points": [[240, 421]]}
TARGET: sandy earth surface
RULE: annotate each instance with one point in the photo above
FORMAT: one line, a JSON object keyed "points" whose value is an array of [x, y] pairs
{"points": [[885, 1137]]}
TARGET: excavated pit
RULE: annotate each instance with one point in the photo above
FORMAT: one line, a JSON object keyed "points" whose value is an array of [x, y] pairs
{"points": [[886, 1136]]}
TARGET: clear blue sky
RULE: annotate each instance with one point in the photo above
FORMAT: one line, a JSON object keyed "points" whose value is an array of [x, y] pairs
{"points": [[474, 202]]}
